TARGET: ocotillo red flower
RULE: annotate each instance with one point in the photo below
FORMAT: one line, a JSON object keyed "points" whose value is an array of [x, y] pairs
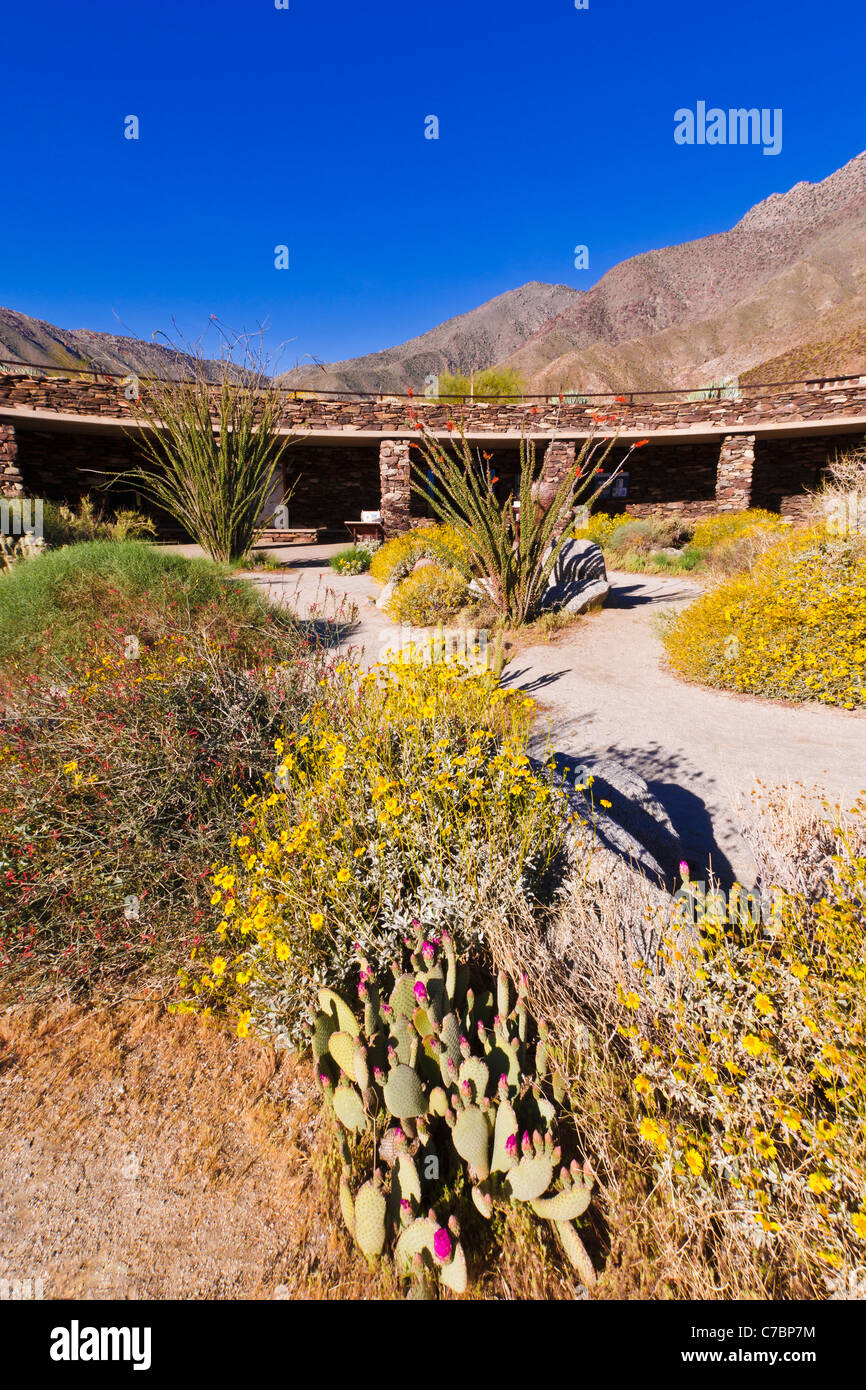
{"points": [[640, 444]]}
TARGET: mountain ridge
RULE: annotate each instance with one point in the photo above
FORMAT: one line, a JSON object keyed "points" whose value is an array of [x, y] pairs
{"points": [[785, 285]]}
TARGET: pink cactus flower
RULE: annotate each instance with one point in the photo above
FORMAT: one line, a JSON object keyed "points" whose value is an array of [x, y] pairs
{"points": [[442, 1244], [420, 991], [405, 1204], [427, 951], [684, 871], [511, 1145]]}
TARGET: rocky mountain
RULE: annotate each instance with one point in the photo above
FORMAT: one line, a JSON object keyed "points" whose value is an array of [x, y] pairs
{"points": [[781, 288], [781, 295], [463, 344], [791, 272], [51, 349]]}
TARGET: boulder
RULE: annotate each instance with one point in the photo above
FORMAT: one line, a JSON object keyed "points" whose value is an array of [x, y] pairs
{"points": [[578, 579], [386, 595], [423, 562]]}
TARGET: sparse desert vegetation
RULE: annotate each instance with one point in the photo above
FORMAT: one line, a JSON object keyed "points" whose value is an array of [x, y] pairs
{"points": [[530, 1067]]}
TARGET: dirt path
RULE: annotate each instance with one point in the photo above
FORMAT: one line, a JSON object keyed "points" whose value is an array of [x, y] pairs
{"points": [[609, 705]]}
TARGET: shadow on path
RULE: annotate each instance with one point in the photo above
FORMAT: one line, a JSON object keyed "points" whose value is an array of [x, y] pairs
{"points": [[510, 677], [636, 596], [659, 802]]}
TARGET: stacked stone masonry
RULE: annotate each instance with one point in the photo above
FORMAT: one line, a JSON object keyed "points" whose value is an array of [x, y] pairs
{"points": [[391, 415], [368, 463]]}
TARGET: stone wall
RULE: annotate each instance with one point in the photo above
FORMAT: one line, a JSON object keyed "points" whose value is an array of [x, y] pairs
{"points": [[787, 469], [11, 481], [333, 484], [64, 466], [390, 415], [734, 476], [395, 471]]}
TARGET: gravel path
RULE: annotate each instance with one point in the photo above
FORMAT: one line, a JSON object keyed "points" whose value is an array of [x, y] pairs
{"points": [[608, 704]]}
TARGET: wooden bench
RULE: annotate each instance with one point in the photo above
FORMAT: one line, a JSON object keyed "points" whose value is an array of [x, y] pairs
{"points": [[365, 531], [298, 535]]}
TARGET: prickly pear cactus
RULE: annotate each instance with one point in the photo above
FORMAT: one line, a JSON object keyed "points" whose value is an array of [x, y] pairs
{"points": [[427, 1076]]}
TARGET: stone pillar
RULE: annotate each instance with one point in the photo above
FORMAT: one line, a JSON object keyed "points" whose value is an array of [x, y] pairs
{"points": [[395, 473], [11, 481], [734, 473], [558, 459]]}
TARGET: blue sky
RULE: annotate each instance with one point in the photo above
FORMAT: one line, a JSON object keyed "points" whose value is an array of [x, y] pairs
{"points": [[305, 127]]}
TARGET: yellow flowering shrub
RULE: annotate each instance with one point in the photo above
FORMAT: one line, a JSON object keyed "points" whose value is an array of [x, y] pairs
{"points": [[599, 527], [407, 800], [793, 628], [429, 595], [750, 1070], [710, 531], [394, 559]]}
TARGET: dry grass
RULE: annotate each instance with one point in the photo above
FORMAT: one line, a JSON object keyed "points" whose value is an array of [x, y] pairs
{"points": [[163, 1159], [650, 1238]]}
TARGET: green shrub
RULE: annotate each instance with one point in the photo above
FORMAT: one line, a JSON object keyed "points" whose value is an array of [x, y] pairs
{"points": [[353, 559], [643, 535], [792, 628], [599, 527], [55, 606], [750, 1070], [429, 595], [65, 525], [394, 560]]}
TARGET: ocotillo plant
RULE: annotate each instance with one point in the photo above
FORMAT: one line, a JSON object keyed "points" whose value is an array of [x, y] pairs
{"points": [[514, 549], [210, 451]]}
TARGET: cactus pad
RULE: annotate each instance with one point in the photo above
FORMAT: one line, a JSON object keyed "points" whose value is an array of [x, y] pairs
{"points": [[342, 1048], [323, 1027], [347, 1206], [404, 1094], [412, 1240], [471, 1136], [438, 1101], [370, 1211], [473, 1070], [330, 1002], [403, 999], [453, 1274], [530, 1177], [565, 1206], [505, 1129], [349, 1108], [483, 1202], [576, 1252]]}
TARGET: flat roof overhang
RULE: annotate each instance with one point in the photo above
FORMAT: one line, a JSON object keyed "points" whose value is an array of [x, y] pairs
{"points": [[68, 423]]}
